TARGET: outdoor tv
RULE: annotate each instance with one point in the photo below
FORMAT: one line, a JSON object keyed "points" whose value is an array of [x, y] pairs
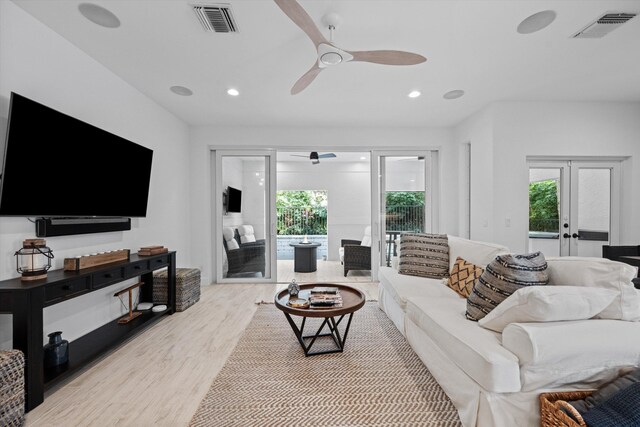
{"points": [[234, 199], [54, 165]]}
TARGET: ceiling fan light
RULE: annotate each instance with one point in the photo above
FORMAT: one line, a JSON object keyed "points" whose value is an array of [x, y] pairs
{"points": [[331, 58], [414, 94], [536, 22], [315, 161]]}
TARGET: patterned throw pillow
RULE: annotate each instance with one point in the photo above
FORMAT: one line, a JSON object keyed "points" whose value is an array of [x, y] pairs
{"points": [[463, 276], [424, 255], [502, 277]]}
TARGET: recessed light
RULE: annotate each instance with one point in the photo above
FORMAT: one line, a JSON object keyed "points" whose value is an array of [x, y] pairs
{"points": [[99, 15], [536, 22], [363, 158], [257, 173], [181, 90], [453, 94], [233, 92], [414, 94]]}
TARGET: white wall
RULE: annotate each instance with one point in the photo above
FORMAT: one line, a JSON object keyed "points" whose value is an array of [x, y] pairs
{"points": [[348, 187], [504, 134], [204, 138], [41, 65]]}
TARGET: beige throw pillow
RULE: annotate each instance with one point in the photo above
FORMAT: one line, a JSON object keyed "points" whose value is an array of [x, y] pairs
{"points": [[463, 276]]}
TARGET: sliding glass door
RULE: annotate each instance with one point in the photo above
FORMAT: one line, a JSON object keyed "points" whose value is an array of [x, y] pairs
{"points": [[403, 199], [244, 216]]}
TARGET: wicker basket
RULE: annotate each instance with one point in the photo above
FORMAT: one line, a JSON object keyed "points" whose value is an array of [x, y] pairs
{"points": [[11, 388], [552, 416], [187, 287]]}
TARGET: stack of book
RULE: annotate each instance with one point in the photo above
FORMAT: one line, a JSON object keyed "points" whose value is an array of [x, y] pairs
{"points": [[322, 296], [152, 250]]}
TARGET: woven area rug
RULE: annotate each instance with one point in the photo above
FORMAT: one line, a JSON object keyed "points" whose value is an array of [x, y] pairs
{"points": [[377, 381]]}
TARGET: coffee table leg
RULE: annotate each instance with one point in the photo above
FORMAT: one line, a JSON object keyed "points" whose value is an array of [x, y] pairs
{"points": [[331, 323]]}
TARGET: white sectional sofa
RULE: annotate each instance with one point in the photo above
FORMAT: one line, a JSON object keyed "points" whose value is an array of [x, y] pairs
{"points": [[492, 378]]}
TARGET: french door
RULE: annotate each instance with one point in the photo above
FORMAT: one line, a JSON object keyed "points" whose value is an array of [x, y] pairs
{"points": [[244, 201], [573, 207], [403, 188]]}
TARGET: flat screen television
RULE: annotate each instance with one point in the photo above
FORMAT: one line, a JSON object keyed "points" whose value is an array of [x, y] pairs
{"points": [[234, 200], [54, 165]]}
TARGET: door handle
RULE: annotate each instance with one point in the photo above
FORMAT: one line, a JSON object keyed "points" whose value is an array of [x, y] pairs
{"points": [[566, 235], [575, 235]]}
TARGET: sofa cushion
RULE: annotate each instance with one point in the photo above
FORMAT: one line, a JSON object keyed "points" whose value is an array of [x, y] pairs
{"points": [[547, 304], [502, 277], [424, 255], [600, 273], [366, 239], [401, 286], [478, 253], [475, 350], [463, 276], [553, 354], [246, 233], [229, 236]]}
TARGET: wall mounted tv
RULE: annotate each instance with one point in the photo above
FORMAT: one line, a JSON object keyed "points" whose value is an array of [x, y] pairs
{"points": [[234, 200], [55, 165]]}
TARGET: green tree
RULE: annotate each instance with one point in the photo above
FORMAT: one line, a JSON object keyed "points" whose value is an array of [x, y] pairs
{"points": [[544, 212], [301, 212], [405, 211]]}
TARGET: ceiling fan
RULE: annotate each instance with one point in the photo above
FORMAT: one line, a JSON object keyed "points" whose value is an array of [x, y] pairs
{"points": [[330, 55], [315, 157]]}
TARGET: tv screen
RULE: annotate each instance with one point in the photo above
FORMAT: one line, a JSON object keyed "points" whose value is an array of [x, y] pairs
{"points": [[57, 166], [234, 199]]}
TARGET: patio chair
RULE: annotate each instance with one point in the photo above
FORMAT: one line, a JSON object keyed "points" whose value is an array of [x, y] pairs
{"points": [[243, 259], [356, 254]]}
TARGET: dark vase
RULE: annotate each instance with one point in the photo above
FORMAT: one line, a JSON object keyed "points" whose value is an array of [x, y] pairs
{"points": [[56, 352]]}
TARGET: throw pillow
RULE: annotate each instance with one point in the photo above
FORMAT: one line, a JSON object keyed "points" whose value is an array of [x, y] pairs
{"points": [[463, 276], [502, 277], [424, 255], [548, 304]]}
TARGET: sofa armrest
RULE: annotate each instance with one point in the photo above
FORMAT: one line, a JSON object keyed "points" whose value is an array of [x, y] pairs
{"points": [[344, 242]]}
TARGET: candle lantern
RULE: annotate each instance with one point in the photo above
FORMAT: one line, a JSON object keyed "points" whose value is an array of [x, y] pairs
{"points": [[34, 259]]}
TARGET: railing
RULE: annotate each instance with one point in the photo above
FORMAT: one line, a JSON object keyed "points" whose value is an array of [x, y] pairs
{"points": [[405, 218], [544, 224], [301, 221]]}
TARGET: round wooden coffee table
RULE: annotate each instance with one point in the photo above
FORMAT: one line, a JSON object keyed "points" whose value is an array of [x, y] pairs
{"points": [[352, 301]]}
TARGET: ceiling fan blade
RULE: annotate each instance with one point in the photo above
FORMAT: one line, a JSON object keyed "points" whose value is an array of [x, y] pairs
{"points": [[298, 155], [326, 155], [388, 57], [306, 79], [301, 18]]}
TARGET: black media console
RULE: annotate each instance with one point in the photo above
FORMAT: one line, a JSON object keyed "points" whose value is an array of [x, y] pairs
{"points": [[26, 300]]}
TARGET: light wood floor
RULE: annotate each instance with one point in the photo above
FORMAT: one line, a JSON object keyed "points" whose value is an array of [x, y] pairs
{"points": [[159, 377]]}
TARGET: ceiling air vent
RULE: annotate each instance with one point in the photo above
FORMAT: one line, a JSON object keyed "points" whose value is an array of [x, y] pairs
{"points": [[216, 18], [603, 25]]}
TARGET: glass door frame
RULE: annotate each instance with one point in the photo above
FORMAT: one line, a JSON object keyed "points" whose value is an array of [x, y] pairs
{"points": [[569, 197], [270, 213], [431, 193]]}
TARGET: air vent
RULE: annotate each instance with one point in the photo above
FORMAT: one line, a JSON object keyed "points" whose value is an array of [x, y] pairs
{"points": [[603, 25], [216, 18]]}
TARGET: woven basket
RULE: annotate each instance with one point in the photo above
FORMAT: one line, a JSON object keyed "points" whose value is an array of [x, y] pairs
{"points": [[11, 388], [187, 287], [552, 416]]}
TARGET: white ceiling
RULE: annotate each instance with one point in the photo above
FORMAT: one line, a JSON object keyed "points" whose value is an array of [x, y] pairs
{"points": [[470, 45]]}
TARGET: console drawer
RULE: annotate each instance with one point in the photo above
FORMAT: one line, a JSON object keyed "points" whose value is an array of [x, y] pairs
{"points": [[136, 269], [104, 278], [159, 262], [66, 289]]}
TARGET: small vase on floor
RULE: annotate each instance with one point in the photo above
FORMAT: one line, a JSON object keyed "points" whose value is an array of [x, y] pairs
{"points": [[56, 352]]}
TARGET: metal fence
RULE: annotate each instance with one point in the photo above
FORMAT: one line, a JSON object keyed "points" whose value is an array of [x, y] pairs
{"points": [[405, 218], [301, 221]]}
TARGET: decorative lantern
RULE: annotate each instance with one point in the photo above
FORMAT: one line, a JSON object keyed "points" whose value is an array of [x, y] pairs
{"points": [[34, 259]]}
